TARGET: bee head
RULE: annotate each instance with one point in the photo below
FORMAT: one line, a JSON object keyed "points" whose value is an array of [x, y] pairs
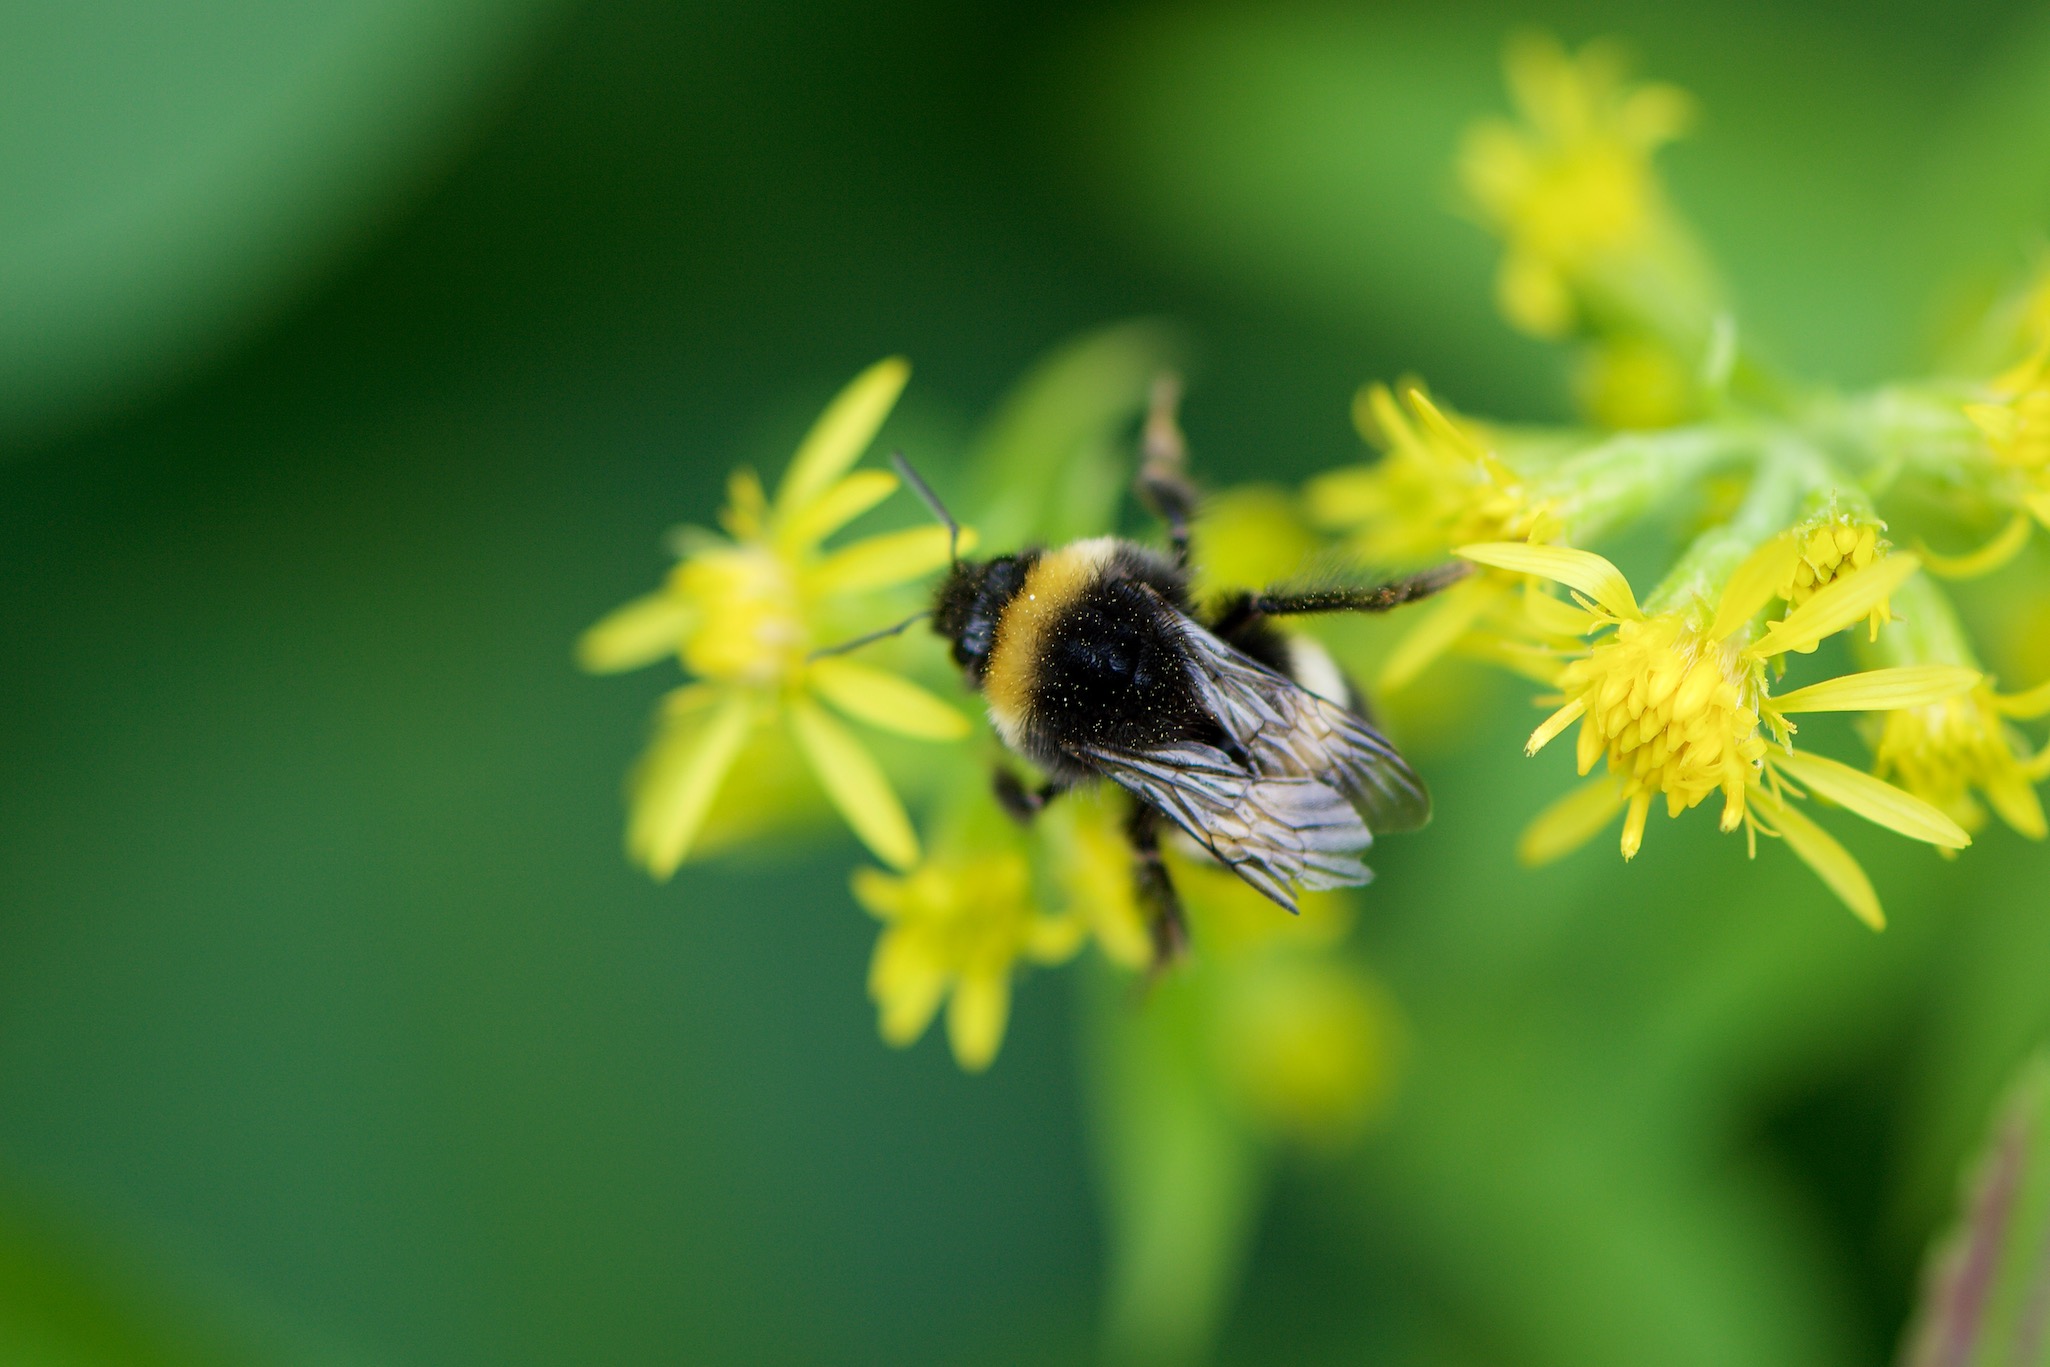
{"points": [[970, 603]]}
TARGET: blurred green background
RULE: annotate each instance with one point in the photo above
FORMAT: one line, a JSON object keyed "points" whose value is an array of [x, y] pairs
{"points": [[354, 356]]}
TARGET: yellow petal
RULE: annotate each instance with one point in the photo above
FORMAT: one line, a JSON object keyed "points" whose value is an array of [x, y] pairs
{"points": [[888, 700], [1872, 798], [1911, 685], [2038, 503], [677, 781], [1831, 861], [1988, 558], [881, 895], [1754, 584], [1553, 617], [882, 561], [841, 434], [1055, 939], [1847, 600], [1633, 825], [976, 1018], [2012, 796], [855, 784], [1551, 726], [1437, 627], [1571, 822], [1880, 690], [635, 634], [694, 697], [906, 984], [1582, 570], [1338, 499], [2033, 702], [1447, 431], [834, 509]]}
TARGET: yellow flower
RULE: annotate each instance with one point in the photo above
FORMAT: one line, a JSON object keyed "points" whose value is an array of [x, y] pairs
{"points": [[745, 611], [1943, 750], [1438, 484], [1826, 549], [1572, 182], [2016, 424], [1679, 705], [953, 929], [1309, 1047]]}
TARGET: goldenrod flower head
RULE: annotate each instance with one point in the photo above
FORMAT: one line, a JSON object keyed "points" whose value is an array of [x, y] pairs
{"points": [[1942, 751], [1824, 550], [1675, 712], [1828, 546], [954, 928], [745, 611], [2016, 424], [1438, 484], [1678, 704], [1309, 1047], [1572, 180]]}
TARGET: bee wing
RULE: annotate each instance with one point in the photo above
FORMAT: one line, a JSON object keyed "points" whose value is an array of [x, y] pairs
{"points": [[1287, 730], [1271, 830]]}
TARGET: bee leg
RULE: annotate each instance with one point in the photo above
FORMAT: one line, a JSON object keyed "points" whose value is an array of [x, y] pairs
{"points": [[1163, 484], [1157, 897], [1022, 803], [1242, 611]]}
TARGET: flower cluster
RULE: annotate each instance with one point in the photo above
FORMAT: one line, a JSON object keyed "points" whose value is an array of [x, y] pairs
{"points": [[1800, 581], [1684, 699], [755, 614]]}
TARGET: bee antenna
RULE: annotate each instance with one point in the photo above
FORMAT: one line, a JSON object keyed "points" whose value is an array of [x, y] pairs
{"points": [[932, 501], [870, 639]]}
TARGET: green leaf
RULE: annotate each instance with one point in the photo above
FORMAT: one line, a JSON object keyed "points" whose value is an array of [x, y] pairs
{"points": [[1986, 1293], [1179, 1176]]}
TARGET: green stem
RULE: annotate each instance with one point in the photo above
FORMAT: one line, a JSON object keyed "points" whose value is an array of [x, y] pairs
{"points": [[1696, 580], [1621, 478]]}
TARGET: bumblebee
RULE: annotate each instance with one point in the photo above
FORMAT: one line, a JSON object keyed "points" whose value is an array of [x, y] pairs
{"points": [[1095, 664]]}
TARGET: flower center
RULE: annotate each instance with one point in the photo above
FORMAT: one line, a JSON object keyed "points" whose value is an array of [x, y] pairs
{"points": [[1674, 712], [1589, 200], [1941, 750], [1833, 549], [752, 626]]}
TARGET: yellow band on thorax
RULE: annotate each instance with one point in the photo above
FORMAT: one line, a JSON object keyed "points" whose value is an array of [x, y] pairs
{"points": [[1051, 585]]}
